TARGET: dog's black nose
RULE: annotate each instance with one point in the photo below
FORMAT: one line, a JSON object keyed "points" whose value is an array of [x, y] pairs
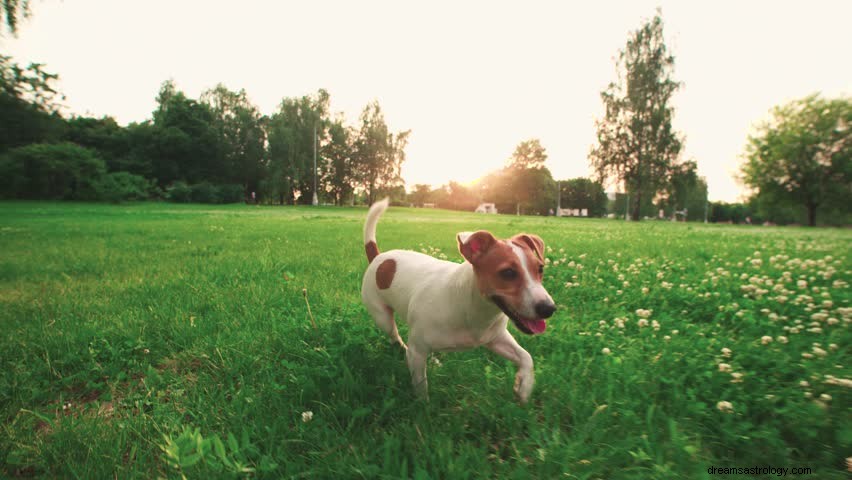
{"points": [[545, 309]]}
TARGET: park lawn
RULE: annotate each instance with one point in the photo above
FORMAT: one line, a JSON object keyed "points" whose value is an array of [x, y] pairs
{"points": [[157, 340]]}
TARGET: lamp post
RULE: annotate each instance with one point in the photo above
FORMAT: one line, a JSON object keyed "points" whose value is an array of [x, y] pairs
{"points": [[315, 201]]}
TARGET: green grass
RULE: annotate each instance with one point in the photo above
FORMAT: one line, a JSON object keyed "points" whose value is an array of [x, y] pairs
{"points": [[157, 340]]}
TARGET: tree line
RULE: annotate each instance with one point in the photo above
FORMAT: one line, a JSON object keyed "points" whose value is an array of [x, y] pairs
{"points": [[221, 148], [217, 141]]}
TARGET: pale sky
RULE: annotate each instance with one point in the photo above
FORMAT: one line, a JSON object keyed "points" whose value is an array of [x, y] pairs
{"points": [[470, 79]]}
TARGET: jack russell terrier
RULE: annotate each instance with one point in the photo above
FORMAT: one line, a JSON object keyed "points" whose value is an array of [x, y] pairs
{"points": [[450, 306]]}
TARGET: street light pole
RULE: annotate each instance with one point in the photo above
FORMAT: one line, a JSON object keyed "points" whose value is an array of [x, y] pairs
{"points": [[315, 200], [558, 198]]}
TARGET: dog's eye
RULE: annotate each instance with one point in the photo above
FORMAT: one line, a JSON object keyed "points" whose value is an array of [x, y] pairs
{"points": [[508, 274], [541, 269]]}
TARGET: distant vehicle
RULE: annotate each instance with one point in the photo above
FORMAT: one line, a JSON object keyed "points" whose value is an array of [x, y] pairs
{"points": [[486, 208]]}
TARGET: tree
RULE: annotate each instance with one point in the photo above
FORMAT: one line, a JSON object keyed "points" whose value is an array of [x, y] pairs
{"points": [[186, 142], [103, 135], [293, 131], [339, 168], [420, 195], [803, 156], [58, 171], [528, 154], [530, 184], [636, 143], [460, 197], [12, 12], [696, 202], [583, 193], [241, 135], [379, 154], [29, 105]]}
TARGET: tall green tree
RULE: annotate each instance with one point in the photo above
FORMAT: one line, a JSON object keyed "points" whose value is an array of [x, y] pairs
{"points": [[241, 137], [583, 193], [530, 183], [339, 170], [293, 131], [803, 156], [682, 181], [379, 154], [103, 135], [636, 144], [187, 143]]}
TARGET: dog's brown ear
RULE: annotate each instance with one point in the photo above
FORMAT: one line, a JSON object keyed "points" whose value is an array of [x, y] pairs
{"points": [[473, 245], [535, 243]]}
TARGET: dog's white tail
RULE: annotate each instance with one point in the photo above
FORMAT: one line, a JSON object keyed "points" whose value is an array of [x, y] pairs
{"points": [[376, 211]]}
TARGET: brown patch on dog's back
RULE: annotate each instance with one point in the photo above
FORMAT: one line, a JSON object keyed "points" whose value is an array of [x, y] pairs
{"points": [[385, 273], [372, 250]]}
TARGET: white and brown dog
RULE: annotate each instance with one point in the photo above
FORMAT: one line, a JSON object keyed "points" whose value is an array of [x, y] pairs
{"points": [[451, 306]]}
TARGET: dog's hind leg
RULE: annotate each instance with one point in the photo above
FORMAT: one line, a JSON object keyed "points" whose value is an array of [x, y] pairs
{"points": [[383, 315]]}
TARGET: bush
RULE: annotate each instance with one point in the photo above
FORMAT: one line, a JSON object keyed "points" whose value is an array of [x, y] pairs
{"points": [[122, 186], [232, 194], [179, 192], [205, 192], [60, 171]]}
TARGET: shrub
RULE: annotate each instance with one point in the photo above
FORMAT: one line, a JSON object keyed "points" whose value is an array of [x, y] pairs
{"points": [[60, 171], [231, 194], [123, 186], [179, 192], [205, 192]]}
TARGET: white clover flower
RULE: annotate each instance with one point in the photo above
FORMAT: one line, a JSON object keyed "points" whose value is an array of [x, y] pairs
{"points": [[642, 313], [765, 339], [807, 355], [726, 352], [724, 367], [725, 407], [825, 397], [667, 338], [642, 323], [645, 290], [307, 416], [606, 351], [736, 377], [820, 352], [782, 339], [655, 324]]}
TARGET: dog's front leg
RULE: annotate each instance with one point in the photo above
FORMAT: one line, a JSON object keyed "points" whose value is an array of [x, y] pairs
{"points": [[416, 356], [507, 347]]}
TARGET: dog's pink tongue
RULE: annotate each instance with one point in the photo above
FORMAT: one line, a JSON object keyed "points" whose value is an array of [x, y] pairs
{"points": [[537, 326]]}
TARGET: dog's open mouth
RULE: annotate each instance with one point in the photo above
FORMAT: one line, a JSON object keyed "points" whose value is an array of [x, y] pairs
{"points": [[530, 326]]}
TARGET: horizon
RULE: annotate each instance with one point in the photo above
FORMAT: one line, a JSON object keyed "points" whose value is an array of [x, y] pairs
{"points": [[468, 95]]}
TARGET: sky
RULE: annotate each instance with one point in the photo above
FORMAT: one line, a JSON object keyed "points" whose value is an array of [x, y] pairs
{"points": [[470, 79]]}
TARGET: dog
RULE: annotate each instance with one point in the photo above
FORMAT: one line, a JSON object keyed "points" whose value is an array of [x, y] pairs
{"points": [[450, 306]]}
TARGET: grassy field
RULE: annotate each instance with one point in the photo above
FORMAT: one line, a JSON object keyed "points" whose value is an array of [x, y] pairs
{"points": [[156, 340]]}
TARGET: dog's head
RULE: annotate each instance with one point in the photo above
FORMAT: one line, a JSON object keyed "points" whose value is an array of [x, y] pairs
{"points": [[509, 272]]}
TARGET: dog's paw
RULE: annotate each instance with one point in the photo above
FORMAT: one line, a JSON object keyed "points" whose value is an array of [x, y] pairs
{"points": [[523, 387]]}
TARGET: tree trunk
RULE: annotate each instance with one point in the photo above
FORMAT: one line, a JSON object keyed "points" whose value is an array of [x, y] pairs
{"points": [[812, 215], [637, 206]]}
